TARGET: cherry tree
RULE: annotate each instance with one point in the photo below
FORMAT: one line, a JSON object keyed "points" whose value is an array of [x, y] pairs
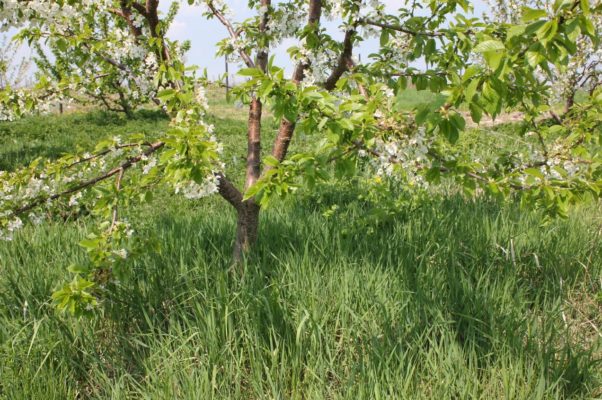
{"points": [[348, 108], [584, 70]]}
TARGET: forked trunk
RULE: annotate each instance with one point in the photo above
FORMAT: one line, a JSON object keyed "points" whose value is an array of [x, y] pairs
{"points": [[246, 229]]}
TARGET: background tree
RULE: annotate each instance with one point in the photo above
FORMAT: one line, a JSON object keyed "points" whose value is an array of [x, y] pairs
{"points": [[584, 71], [347, 109], [14, 70]]}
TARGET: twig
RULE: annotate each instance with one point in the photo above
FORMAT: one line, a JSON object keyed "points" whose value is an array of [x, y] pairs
{"points": [[399, 28], [116, 207], [233, 34]]}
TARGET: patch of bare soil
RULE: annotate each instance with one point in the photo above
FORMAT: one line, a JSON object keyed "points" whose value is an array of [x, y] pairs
{"points": [[487, 121]]}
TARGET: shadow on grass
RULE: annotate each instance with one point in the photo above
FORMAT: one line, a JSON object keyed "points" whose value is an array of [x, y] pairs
{"points": [[474, 276], [490, 277]]}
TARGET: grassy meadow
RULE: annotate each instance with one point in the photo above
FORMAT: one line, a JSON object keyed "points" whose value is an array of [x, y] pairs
{"points": [[455, 298]]}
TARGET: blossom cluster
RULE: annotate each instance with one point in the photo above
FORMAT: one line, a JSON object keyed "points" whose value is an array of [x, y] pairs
{"points": [[404, 157], [113, 67], [584, 67]]}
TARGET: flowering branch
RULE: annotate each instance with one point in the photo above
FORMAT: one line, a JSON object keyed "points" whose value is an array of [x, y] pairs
{"points": [[118, 170]]}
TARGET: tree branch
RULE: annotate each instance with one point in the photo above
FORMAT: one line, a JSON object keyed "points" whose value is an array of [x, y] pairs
{"points": [[345, 62], [255, 111], [286, 129], [228, 191], [400, 28], [83, 185], [233, 34]]}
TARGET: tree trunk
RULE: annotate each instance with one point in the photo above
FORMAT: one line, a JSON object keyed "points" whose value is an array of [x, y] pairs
{"points": [[246, 229], [248, 210], [570, 101]]}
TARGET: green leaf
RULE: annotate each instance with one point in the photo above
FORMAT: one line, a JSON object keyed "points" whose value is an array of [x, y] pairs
{"points": [[470, 72], [346, 124], [458, 121], [90, 243], [489, 45], [402, 83], [476, 112], [166, 94], [547, 32], [433, 175], [530, 14], [534, 172], [62, 45], [471, 90], [534, 58], [422, 113], [252, 72], [253, 190], [516, 30], [587, 26], [384, 37], [493, 59], [271, 161]]}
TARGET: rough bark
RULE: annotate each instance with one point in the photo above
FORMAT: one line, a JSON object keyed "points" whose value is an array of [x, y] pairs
{"points": [[286, 129], [248, 210], [247, 227]]}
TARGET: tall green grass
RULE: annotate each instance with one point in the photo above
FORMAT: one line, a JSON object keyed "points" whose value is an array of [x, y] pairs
{"points": [[453, 300], [456, 299]]}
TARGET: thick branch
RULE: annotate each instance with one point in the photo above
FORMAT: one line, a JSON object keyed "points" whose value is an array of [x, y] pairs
{"points": [[286, 129], [255, 111], [344, 63], [229, 192]]}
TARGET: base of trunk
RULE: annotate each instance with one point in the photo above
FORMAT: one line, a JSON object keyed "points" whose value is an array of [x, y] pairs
{"points": [[246, 230]]}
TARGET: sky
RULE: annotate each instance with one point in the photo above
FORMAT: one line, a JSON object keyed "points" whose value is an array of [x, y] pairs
{"points": [[203, 35]]}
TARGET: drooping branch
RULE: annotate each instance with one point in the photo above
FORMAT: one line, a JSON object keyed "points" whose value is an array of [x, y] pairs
{"points": [[225, 188], [107, 151], [90, 182]]}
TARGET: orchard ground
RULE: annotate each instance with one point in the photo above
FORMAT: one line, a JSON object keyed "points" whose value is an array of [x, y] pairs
{"points": [[450, 297]]}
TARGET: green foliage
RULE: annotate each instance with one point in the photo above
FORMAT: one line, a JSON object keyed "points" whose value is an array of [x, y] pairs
{"points": [[383, 295]]}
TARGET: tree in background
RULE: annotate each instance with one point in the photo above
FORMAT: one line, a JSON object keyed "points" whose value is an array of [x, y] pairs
{"points": [[584, 71], [349, 110], [118, 78], [14, 71]]}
